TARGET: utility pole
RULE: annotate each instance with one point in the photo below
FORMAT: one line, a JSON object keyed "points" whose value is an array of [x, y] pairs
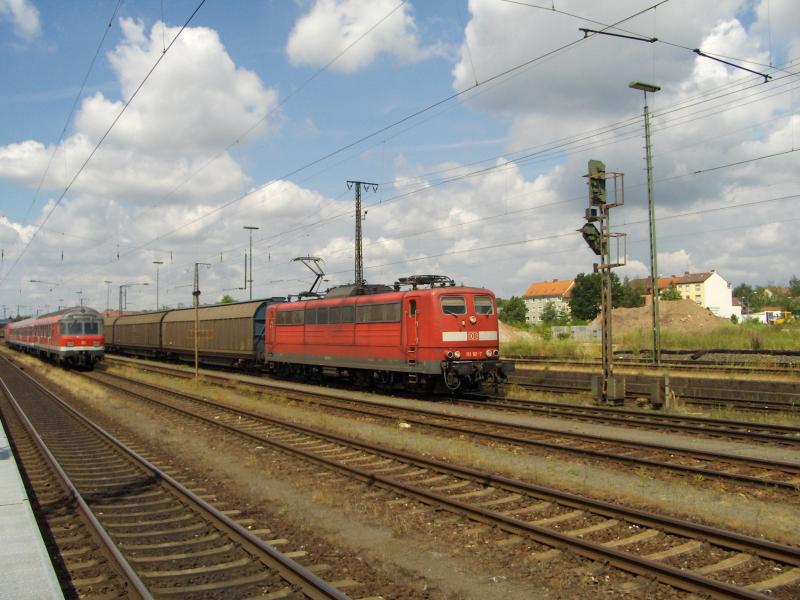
{"points": [[196, 297], [359, 267], [251, 228], [651, 206], [158, 264], [609, 390]]}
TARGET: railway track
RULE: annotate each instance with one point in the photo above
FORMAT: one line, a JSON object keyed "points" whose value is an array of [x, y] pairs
{"points": [[749, 395], [719, 428], [688, 365], [688, 556], [163, 540], [718, 465]]}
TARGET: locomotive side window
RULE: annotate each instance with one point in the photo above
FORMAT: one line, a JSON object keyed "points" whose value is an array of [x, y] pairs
{"points": [[347, 314], [454, 305], [311, 316], [483, 305], [322, 315], [291, 317], [378, 313]]}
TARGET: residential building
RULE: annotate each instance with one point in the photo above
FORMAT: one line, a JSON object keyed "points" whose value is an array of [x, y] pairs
{"points": [[709, 290], [539, 293]]}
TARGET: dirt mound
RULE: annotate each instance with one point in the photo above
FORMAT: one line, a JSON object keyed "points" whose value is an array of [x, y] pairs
{"points": [[677, 315], [512, 334]]}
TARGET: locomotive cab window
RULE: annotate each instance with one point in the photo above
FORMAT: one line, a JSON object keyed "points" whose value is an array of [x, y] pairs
{"points": [[91, 328], [454, 305], [483, 305]]}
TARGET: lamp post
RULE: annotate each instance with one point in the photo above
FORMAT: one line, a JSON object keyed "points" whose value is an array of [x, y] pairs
{"points": [[123, 294], [648, 87], [251, 229], [108, 293], [158, 264]]}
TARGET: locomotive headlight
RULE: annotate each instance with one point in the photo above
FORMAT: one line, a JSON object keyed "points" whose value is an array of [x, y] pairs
{"points": [[70, 344], [96, 344], [489, 353], [473, 319], [457, 354]]}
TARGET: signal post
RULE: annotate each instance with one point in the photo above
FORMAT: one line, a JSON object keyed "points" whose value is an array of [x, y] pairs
{"points": [[612, 250]]}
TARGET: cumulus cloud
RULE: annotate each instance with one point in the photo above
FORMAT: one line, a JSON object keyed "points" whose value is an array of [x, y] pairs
{"points": [[193, 104], [332, 26], [23, 16]]}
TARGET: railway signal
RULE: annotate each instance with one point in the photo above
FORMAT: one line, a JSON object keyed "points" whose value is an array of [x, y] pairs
{"points": [[597, 235]]}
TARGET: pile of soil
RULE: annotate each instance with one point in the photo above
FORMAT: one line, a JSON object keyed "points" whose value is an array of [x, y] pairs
{"points": [[677, 315], [512, 334]]}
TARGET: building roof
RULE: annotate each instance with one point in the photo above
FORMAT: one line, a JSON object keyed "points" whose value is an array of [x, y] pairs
{"points": [[665, 282], [557, 288]]}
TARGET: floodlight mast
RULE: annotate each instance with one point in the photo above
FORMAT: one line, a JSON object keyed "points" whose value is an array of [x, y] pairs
{"points": [[649, 87]]}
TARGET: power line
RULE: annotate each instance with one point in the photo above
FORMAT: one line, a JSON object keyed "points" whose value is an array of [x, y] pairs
{"points": [[102, 139], [72, 110]]}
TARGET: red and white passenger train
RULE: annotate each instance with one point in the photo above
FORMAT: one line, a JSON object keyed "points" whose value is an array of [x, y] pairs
{"points": [[441, 338], [72, 337]]}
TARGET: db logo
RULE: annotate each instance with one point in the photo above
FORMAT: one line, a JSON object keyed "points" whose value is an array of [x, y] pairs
{"points": [[472, 336]]}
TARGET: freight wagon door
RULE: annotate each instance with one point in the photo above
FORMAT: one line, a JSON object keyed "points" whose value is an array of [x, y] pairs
{"points": [[411, 329]]}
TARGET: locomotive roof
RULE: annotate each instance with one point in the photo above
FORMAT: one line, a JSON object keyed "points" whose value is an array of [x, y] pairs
{"points": [[394, 296]]}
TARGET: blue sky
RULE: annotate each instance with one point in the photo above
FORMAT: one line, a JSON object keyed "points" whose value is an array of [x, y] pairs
{"points": [[171, 182]]}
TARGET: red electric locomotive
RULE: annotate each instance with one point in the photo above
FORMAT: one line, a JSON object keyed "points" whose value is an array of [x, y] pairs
{"points": [[72, 337], [432, 337]]}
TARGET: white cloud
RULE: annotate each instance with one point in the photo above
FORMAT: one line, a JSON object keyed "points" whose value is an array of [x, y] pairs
{"points": [[195, 102], [331, 26], [24, 17]]}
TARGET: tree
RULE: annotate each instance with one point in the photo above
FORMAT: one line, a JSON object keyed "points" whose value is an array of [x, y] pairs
{"points": [[226, 299], [671, 293], [549, 313], [794, 286], [584, 304], [629, 296], [514, 310]]}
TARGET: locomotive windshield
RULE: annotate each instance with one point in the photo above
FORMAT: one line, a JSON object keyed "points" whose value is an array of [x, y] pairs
{"points": [[81, 327], [483, 305], [454, 305]]}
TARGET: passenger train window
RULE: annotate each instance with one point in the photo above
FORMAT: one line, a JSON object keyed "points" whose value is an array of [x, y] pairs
{"points": [[454, 305], [483, 305], [91, 328]]}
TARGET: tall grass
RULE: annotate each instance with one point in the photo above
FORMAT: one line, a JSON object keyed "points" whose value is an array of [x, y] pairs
{"points": [[747, 336]]}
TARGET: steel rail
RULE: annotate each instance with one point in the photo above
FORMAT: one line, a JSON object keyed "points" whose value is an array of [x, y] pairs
{"points": [[334, 402], [747, 430], [730, 429], [291, 571], [137, 588], [682, 579]]}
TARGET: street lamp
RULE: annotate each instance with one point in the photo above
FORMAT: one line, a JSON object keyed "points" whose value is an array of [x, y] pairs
{"points": [[649, 87], [123, 293], [108, 293], [158, 264], [52, 285], [251, 228]]}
